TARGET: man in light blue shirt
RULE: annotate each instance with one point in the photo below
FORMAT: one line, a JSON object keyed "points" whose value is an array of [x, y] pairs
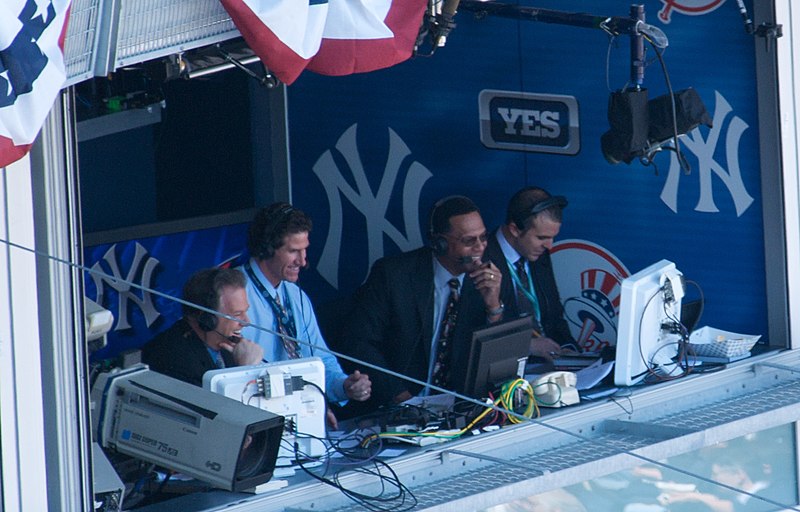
{"points": [[277, 242]]}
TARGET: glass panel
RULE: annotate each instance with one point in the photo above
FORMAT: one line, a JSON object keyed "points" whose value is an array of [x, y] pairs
{"points": [[753, 473]]}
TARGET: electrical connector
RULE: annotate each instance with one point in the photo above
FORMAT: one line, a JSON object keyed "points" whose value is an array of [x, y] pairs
{"points": [[297, 383], [263, 387], [669, 296]]}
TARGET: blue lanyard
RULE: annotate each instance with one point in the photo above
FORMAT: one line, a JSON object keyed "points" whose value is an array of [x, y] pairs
{"points": [[530, 291], [283, 315]]}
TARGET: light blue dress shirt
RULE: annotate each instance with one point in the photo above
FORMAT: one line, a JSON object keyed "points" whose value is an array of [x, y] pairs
{"points": [[295, 300]]}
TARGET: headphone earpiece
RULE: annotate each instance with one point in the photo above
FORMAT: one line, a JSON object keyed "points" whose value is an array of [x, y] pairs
{"points": [[207, 321], [439, 245], [438, 242]]}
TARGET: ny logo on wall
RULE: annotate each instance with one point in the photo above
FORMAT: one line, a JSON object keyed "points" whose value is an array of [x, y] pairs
{"points": [[142, 267], [372, 204], [704, 150]]}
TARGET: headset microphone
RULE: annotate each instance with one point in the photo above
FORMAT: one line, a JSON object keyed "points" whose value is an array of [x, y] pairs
{"points": [[232, 339], [466, 260]]}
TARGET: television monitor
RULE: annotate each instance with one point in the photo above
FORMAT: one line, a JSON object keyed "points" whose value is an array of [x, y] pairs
{"points": [[497, 354], [648, 326], [276, 387]]}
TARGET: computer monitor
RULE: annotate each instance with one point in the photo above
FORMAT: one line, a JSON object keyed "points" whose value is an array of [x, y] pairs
{"points": [[648, 327], [497, 354], [278, 388]]}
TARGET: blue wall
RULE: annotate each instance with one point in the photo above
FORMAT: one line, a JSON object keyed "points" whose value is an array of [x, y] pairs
{"points": [[370, 153]]}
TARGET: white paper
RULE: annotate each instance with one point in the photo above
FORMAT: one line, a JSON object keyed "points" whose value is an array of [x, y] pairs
{"points": [[591, 376]]}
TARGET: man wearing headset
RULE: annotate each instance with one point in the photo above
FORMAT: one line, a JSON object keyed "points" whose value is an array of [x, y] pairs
{"points": [[521, 250], [202, 341], [280, 311], [399, 312]]}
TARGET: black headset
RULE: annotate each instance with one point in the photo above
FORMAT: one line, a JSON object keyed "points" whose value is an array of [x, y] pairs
{"points": [[438, 242], [205, 320], [265, 248], [539, 206]]}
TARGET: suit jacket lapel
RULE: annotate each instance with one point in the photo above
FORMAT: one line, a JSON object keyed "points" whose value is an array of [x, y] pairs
{"points": [[422, 290], [507, 294]]}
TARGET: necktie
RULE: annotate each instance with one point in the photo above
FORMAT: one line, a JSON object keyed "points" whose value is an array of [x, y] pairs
{"points": [[286, 328], [524, 304], [285, 323], [219, 361], [441, 370]]}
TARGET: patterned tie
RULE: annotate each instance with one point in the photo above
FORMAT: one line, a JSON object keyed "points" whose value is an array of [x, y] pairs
{"points": [[287, 328], [441, 370], [524, 304]]}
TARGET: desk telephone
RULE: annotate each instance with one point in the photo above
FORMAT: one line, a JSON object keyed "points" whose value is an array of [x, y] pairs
{"points": [[556, 389]]}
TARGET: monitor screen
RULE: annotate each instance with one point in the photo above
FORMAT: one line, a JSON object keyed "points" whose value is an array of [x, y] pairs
{"points": [[495, 355], [648, 329]]}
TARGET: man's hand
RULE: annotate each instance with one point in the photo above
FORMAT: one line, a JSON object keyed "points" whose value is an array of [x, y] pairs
{"points": [[402, 397], [487, 281], [333, 423], [545, 348], [357, 386], [244, 351]]}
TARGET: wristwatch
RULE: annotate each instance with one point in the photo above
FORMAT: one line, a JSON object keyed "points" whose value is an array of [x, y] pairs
{"points": [[496, 311]]}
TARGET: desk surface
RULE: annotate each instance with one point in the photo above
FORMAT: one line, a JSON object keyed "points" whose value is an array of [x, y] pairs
{"points": [[641, 403]]}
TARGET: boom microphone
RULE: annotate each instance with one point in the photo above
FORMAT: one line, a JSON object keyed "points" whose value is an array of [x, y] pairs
{"points": [[466, 260], [445, 21], [232, 339], [449, 8], [748, 23]]}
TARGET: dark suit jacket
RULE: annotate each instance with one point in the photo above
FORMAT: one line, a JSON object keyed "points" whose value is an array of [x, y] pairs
{"points": [[179, 353], [392, 324], [544, 282]]}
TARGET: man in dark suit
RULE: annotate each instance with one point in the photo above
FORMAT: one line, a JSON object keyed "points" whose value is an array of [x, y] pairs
{"points": [[521, 250], [400, 311], [202, 341]]}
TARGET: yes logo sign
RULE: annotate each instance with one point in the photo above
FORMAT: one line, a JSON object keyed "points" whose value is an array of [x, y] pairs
{"points": [[544, 123]]}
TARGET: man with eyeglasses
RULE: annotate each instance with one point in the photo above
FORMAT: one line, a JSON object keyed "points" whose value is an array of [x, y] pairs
{"points": [[201, 341], [415, 313], [521, 249]]}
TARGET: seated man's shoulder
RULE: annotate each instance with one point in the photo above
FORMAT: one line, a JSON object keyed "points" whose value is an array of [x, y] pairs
{"points": [[404, 259], [170, 340]]}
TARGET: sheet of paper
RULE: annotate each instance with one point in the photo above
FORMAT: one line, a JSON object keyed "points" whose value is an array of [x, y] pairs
{"points": [[591, 376], [599, 394]]}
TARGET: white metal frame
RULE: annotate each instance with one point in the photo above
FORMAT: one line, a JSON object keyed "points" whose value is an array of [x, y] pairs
{"points": [[21, 407], [788, 48]]}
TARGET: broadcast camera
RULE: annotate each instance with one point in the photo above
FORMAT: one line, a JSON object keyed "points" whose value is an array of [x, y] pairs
{"points": [[641, 128], [185, 428]]}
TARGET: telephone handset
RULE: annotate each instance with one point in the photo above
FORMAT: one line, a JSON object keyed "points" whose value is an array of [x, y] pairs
{"points": [[556, 389]]}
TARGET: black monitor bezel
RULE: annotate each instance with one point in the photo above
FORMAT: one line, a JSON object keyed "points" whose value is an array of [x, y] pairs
{"points": [[514, 335]]}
